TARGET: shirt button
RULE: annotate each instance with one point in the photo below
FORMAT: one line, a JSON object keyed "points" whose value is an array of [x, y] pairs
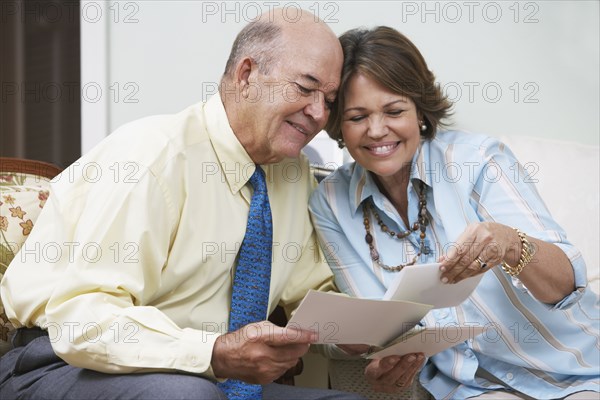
{"points": [[509, 376]]}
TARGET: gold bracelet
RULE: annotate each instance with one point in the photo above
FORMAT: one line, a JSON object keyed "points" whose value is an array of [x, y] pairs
{"points": [[527, 253]]}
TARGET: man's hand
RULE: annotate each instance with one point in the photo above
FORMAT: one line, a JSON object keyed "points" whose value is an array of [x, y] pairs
{"points": [[394, 374], [259, 352]]}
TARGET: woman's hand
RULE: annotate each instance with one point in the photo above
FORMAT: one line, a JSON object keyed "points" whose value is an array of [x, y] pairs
{"points": [[481, 246], [394, 374], [549, 275]]}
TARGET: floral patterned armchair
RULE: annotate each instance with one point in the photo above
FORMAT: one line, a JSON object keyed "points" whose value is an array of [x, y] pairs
{"points": [[23, 193]]}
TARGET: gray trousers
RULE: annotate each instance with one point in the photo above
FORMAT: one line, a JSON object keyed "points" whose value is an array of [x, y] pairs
{"points": [[33, 371]]}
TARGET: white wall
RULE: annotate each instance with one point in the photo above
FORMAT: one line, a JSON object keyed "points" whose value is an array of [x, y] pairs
{"points": [[516, 68]]}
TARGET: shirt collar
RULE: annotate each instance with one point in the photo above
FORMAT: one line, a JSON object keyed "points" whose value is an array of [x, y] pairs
{"points": [[421, 164], [234, 161], [362, 185]]}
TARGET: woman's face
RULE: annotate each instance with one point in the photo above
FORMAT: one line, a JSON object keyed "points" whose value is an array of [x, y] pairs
{"points": [[380, 128]]}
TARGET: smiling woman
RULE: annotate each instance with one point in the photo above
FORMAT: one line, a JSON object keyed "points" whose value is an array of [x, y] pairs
{"points": [[392, 206]]}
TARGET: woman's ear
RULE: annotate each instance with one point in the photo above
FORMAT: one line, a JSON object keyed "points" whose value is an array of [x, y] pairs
{"points": [[420, 116]]}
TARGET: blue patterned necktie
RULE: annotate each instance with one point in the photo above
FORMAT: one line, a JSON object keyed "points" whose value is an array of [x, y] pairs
{"points": [[250, 296]]}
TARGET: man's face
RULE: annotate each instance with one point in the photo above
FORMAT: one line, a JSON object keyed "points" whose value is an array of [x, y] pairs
{"points": [[290, 104]]}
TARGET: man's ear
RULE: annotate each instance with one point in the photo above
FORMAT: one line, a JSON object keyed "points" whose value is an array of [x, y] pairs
{"points": [[243, 71]]}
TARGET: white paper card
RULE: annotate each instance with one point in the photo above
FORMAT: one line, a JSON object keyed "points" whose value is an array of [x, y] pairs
{"points": [[348, 320], [430, 341], [422, 284]]}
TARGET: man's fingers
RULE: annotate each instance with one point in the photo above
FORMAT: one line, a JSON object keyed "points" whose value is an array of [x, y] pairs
{"points": [[278, 343], [266, 372], [286, 336]]}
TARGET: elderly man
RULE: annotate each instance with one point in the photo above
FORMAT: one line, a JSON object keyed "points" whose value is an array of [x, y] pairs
{"points": [[196, 229]]}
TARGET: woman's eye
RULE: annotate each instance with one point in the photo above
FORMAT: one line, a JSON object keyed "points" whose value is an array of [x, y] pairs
{"points": [[395, 112], [356, 118]]}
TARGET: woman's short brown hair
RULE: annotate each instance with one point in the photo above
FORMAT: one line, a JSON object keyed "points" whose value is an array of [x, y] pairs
{"points": [[391, 59]]}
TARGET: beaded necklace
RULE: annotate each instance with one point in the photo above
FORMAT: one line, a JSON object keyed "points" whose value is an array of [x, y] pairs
{"points": [[420, 225]]}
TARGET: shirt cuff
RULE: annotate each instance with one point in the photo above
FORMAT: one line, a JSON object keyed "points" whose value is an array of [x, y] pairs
{"points": [[580, 276], [195, 352]]}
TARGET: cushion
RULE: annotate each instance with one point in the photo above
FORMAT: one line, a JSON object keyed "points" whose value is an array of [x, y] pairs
{"points": [[566, 175], [349, 376]]}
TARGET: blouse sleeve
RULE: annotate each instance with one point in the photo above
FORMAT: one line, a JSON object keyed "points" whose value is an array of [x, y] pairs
{"points": [[505, 192]]}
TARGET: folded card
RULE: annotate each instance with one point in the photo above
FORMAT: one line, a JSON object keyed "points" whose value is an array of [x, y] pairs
{"points": [[421, 283]]}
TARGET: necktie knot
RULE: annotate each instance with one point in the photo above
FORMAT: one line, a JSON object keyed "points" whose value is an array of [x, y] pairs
{"points": [[257, 180]]}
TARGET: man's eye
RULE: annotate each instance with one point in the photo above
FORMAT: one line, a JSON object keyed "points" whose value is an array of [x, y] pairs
{"points": [[329, 104], [302, 89]]}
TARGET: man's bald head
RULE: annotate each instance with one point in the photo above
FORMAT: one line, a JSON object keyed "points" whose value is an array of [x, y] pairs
{"points": [[267, 37]]}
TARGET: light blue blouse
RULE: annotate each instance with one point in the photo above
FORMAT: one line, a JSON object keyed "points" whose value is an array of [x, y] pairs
{"points": [[545, 351]]}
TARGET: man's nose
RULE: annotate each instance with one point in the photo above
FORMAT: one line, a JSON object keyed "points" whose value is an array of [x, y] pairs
{"points": [[317, 108]]}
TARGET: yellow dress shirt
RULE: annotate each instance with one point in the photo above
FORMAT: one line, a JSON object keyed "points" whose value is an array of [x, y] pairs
{"points": [[131, 262]]}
